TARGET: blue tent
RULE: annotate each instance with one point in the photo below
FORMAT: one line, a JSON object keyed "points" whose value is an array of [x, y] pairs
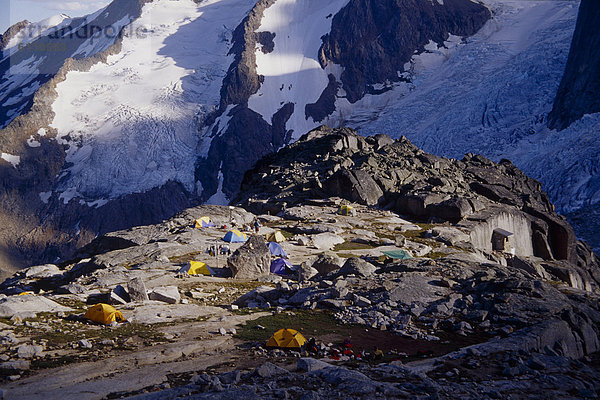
{"points": [[235, 236], [280, 266], [277, 250]]}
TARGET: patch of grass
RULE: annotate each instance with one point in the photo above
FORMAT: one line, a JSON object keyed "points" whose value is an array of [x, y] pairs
{"points": [[307, 322], [74, 331], [352, 246], [434, 255], [185, 258], [44, 363], [287, 234], [385, 236], [78, 305]]}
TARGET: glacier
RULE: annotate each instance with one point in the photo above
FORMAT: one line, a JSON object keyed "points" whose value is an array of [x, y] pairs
{"points": [[132, 123], [492, 96]]}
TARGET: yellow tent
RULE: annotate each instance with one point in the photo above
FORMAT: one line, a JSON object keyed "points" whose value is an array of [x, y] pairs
{"points": [[197, 268], [203, 222], [104, 314], [346, 210], [276, 237], [287, 338]]}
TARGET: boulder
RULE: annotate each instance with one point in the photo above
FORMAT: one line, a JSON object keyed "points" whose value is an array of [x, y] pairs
{"points": [[116, 299], [306, 272], [417, 249], [137, 290], [262, 291], [29, 351], [357, 186], [326, 263], [453, 209], [310, 364], [251, 260], [167, 294], [42, 271], [337, 375], [268, 370], [303, 240], [119, 295], [450, 236], [327, 240], [358, 267], [72, 288]]}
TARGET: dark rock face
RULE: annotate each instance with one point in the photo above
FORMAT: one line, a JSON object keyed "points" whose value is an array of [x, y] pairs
{"points": [[357, 186], [241, 80], [325, 105], [55, 236], [579, 91], [398, 176], [248, 136], [372, 40]]}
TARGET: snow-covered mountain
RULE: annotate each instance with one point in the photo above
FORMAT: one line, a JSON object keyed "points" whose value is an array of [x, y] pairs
{"points": [[150, 106]]}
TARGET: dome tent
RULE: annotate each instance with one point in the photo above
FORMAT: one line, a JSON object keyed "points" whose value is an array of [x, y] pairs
{"points": [[104, 314], [276, 250], [281, 267], [197, 268], [346, 210], [204, 222], [276, 236], [235, 236], [286, 338]]}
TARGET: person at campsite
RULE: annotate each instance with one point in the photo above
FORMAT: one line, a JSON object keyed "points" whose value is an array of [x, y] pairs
{"points": [[256, 225], [233, 222], [377, 353], [311, 346]]}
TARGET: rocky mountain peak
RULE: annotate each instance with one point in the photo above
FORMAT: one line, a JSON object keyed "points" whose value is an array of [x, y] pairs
{"points": [[11, 32]]}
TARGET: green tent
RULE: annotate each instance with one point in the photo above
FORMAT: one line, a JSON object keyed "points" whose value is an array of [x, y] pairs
{"points": [[397, 254]]}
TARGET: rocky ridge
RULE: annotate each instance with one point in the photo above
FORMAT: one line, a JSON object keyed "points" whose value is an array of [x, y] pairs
{"points": [[455, 320], [475, 193]]}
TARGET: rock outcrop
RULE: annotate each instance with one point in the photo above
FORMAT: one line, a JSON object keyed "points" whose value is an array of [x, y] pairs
{"points": [[475, 193], [579, 91]]}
